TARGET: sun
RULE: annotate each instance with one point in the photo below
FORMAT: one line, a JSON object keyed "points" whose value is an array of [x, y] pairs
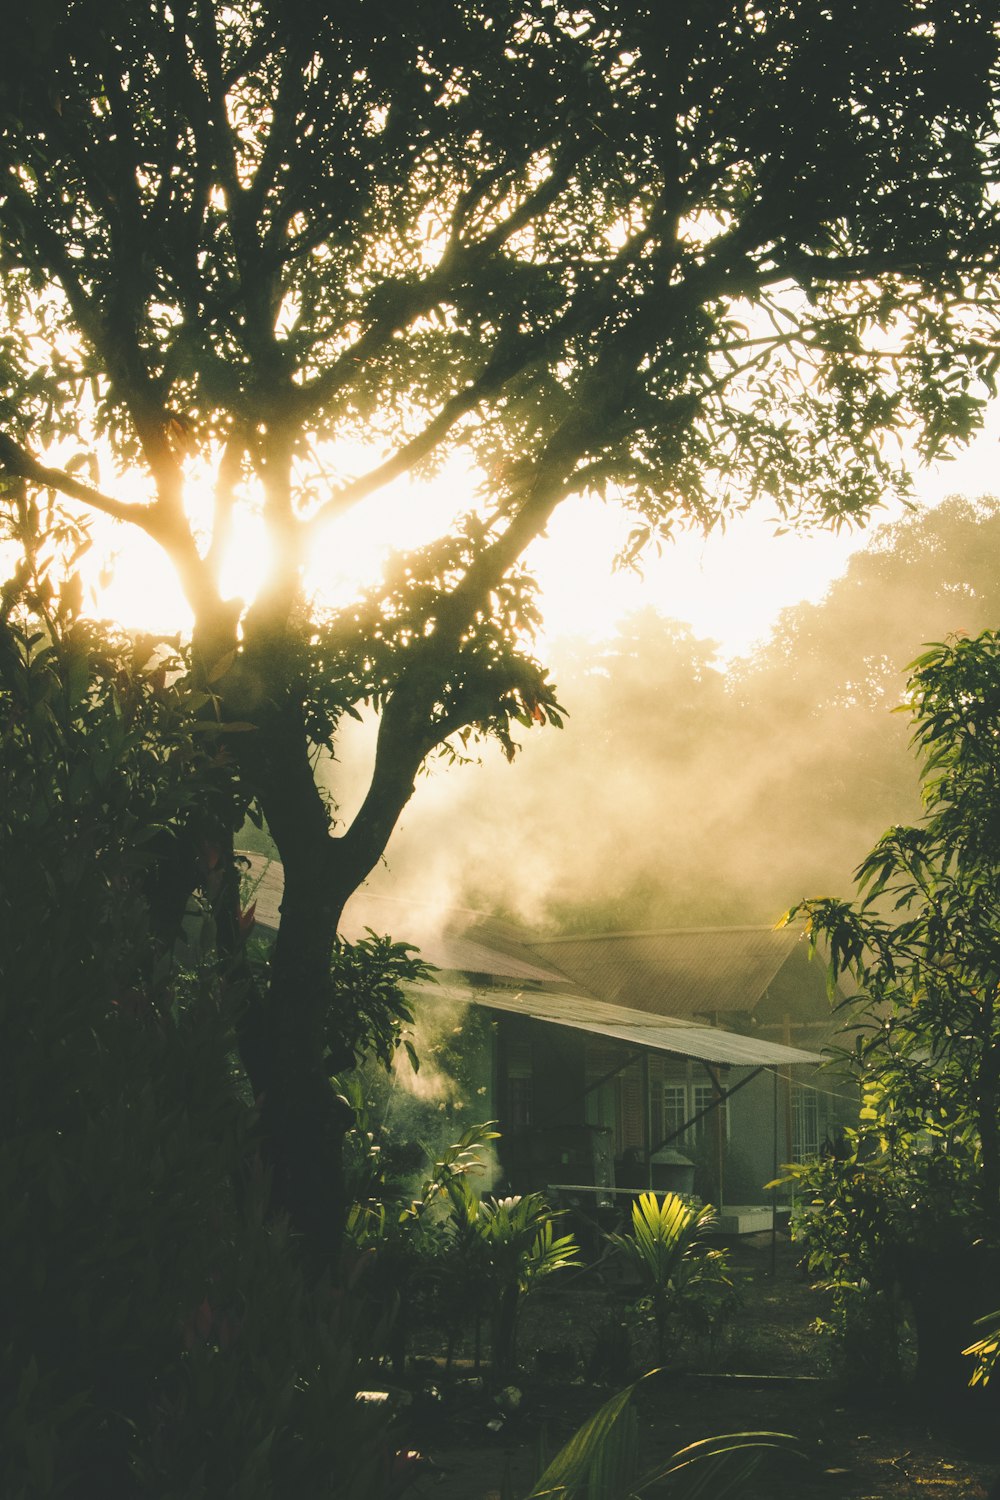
{"points": [[131, 580], [727, 586]]}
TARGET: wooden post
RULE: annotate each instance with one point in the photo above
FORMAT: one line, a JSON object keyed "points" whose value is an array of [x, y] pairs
{"points": [[774, 1190], [719, 1137], [648, 1120], [787, 1076]]}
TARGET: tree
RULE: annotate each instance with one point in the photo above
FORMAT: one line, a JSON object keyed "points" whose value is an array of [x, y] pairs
{"points": [[916, 1200], [694, 256]]}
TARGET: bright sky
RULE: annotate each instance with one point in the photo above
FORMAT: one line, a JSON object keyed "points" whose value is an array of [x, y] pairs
{"points": [[729, 587], [732, 585]]}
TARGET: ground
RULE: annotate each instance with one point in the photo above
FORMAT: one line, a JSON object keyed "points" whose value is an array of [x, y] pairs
{"points": [[770, 1371]]}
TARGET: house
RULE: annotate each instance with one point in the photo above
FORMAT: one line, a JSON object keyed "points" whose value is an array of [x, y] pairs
{"points": [[680, 1059], [699, 1043]]}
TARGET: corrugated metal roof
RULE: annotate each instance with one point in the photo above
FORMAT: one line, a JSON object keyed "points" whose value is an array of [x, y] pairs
{"points": [[456, 940], [636, 1027], [682, 972]]}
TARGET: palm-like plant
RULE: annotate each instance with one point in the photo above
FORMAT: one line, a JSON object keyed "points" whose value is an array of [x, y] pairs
{"points": [[662, 1245], [601, 1461]]}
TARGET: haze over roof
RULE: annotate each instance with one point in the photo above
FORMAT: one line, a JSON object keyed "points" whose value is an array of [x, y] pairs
{"points": [[690, 974], [453, 939]]}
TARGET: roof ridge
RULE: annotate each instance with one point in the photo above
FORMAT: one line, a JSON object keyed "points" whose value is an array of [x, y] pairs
{"points": [[595, 937]]}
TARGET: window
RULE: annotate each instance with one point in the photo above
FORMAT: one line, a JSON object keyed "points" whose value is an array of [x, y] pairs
{"points": [[681, 1102], [675, 1112], [703, 1097]]}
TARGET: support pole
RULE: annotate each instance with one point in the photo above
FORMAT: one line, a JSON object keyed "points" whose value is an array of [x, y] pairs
{"points": [[789, 1131], [648, 1121], [774, 1173], [718, 1121]]}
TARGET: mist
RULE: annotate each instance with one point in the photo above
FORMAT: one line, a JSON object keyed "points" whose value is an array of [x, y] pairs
{"points": [[685, 792]]}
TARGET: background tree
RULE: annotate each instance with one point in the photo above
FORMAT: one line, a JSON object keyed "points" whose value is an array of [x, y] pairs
{"points": [[695, 256], [686, 791], [915, 1201]]}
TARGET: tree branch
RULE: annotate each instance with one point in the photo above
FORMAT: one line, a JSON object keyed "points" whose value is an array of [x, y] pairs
{"points": [[403, 742], [492, 378], [230, 472], [459, 260], [17, 460], [157, 519]]}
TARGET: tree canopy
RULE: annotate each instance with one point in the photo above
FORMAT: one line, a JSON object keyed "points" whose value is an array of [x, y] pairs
{"points": [[689, 255]]}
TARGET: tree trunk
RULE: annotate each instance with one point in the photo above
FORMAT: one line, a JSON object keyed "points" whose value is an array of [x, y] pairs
{"points": [[283, 1042], [948, 1289]]}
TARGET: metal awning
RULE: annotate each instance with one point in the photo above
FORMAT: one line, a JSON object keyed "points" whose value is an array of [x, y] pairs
{"points": [[638, 1028]]}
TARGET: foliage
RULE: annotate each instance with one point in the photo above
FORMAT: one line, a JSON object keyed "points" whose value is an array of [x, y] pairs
{"points": [[371, 1008], [915, 1198], [471, 1256], [422, 1254], [852, 1213], [420, 244], [663, 1233], [287, 257], [601, 1461], [868, 1329], [986, 1350], [160, 1338], [449, 1173], [689, 1286]]}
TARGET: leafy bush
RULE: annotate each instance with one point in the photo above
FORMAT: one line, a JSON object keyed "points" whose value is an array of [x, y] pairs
{"points": [[470, 1258], [511, 1246], [420, 1255], [850, 1219]]}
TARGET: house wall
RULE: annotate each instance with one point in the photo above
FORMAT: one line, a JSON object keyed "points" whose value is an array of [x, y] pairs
{"points": [[549, 1078], [774, 1122]]}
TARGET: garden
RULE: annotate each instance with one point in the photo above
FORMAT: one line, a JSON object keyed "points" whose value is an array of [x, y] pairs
{"points": [[769, 1371], [339, 316], [731, 1364]]}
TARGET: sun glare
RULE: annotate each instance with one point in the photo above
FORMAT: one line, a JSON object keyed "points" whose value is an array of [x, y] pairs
{"points": [[132, 582], [729, 587], [352, 549]]}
